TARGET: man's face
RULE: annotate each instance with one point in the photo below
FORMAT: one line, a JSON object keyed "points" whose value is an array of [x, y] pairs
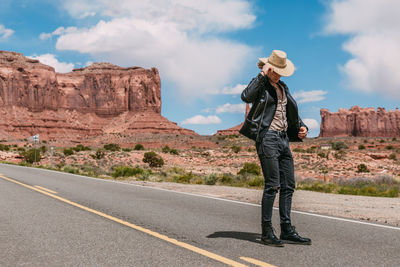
{"points": [[273, 76]]}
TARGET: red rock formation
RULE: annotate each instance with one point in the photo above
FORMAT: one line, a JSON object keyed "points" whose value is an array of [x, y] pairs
{"points": [[99, 99], [360, 122], [234, 130]]}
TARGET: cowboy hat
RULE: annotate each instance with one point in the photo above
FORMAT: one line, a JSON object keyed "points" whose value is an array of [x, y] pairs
{"points": [[279, 62]]}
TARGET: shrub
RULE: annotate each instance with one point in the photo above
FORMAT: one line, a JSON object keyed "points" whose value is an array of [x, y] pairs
{"points": [[361, 147], [138, 147], [43, 149], [340, 154], [369, 190], [145, 175], [80, 147], [318, 186], [100, 153], [299, 150], [383, 186], [381, 141], [206, 154], [221, 137], [177, 170], [71, 169], [174, 151], [127, 149], [311, 149], [29, 156], [392, 156], [210, 179], [389, 147], [362, 168], [153, 159], [68, 151], [322, 155], [90, 170], [339, 145], [4, 147], [197, 180], [21, 149], [226, 178], [250, 167], [126, 171], [256, 181], [60, 165], [236, 149], [112, 147], [166, 149], [394, 139], [184, 178]]}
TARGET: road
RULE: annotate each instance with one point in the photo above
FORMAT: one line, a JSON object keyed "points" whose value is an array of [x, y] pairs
{"points": [[52, 219]]}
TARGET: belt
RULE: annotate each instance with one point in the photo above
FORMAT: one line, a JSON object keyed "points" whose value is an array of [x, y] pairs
{"points": [[279, 133]]}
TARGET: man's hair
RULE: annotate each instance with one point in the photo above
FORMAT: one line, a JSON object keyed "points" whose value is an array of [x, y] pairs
{"points": [[260, 64]]}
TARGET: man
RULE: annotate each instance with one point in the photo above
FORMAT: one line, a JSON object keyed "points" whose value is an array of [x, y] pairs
{"points": [[272, 122]]}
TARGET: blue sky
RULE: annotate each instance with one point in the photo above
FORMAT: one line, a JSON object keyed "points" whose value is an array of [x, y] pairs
{"points": [[345, 52]]}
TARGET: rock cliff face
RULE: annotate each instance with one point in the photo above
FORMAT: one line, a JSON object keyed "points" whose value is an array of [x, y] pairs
{"points": [[360, 122], [99, 99]]}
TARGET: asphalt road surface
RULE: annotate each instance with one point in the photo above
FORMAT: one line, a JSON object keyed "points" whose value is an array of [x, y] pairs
{"points": [[56, 219]]}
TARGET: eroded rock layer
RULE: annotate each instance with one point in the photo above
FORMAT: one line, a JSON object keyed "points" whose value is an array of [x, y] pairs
{"points": [[360, 122], [99, 99]]}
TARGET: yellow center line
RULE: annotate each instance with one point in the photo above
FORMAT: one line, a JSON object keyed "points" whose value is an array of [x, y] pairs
{"points": [[45, 189], [136, 227], [257, 262]]}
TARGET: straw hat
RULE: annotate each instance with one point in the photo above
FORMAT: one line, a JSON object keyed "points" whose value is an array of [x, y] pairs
{"points": [[279, 62]]}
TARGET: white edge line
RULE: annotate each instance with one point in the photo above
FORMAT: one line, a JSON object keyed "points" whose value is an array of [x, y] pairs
{"points": [[216, 198]]}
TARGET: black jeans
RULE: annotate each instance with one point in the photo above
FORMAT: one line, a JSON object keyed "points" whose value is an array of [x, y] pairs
{"points": [[278, 170]]}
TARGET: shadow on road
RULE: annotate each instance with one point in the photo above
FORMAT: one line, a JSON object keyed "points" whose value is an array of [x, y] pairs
{"points": [[252, 237]]}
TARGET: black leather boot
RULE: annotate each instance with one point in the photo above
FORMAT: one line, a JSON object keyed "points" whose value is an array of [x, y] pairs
{"points": [[290, 236], [268, 236]]}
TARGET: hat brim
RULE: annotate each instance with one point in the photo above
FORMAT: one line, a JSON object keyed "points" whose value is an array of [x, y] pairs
{"points": [[285, 72]]}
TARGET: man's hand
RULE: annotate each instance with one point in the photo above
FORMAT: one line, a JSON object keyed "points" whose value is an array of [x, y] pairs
{"points": [[303, 132], [266, 68]]}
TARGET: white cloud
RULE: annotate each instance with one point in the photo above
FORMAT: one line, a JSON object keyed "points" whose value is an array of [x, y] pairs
{"points": [[204, 16], [178, 37], [87, 14], [58, 31], [237, 89], [312, 124], [51, 60], [231, 108], [199, 119], [374, 39], [309, 96], [208, 110], [4, 32]]}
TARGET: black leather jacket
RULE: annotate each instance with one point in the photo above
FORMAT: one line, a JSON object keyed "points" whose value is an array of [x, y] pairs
{"points": [[264, 98]]}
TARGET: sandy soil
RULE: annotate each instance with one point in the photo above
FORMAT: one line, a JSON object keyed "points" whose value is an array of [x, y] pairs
{"points": [[373, 209]]}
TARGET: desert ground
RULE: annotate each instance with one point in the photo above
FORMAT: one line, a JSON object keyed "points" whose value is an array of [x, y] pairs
{"points": [[320, 159]]}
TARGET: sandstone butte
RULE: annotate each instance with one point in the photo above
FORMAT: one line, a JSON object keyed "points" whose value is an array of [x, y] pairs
{"points": [[99, 99], [357, 122], [360, 122]]}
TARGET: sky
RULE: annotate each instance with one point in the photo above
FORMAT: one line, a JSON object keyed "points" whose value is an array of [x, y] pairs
{"points": [[345, 51]]}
